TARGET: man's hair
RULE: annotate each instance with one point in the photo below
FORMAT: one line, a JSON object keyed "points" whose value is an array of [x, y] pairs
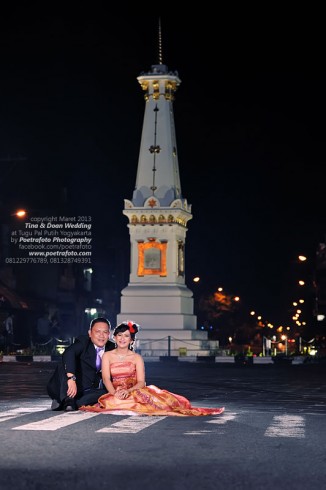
{"points": [[100, 319]]}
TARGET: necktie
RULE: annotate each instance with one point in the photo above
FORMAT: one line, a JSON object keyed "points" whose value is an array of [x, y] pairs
{"points": [[98, 357]]}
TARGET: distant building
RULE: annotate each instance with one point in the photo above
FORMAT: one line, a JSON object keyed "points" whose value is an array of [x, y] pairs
{"points": [[320, 288]]}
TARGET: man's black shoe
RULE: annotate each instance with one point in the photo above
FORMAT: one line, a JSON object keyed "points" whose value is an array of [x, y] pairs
{"points": [[69, 405], [69, 408], [56, 406]]}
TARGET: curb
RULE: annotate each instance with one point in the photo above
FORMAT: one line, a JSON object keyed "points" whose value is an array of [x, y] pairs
{"points": [[21, 358], [201, 359]]}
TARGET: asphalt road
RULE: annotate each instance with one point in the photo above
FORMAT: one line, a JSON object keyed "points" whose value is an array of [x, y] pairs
{"points": [[272, 433]]}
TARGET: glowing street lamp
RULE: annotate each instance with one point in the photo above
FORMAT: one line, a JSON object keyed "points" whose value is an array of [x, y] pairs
{"points": [[21, 213], [284, 337]]}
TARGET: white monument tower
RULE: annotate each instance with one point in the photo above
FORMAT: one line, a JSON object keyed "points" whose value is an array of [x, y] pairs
{"points": [[156, 297]]}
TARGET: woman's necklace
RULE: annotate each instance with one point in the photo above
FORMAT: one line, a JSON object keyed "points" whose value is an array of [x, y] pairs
{"points": [[121, 357]]}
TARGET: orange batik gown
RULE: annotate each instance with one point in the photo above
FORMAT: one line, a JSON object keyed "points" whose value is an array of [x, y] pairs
{"points": [[149, 400]]}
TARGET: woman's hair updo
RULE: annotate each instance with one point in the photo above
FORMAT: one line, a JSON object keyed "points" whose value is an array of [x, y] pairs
{"points": [[127, 325]]}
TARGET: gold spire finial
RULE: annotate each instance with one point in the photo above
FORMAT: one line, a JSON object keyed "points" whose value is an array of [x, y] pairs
{"points": [[160, 57]]}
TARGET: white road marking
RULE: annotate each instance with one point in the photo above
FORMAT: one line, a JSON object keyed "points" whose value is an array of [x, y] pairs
{"points": [[197, 432], [20, 411], [222, 419], [58, 421], [132, 425], [287, 426], [282, 425], [219, 419]]}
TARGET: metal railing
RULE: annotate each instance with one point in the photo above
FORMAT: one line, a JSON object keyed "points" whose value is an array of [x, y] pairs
{"points": [[171, 346], [165, 346]]}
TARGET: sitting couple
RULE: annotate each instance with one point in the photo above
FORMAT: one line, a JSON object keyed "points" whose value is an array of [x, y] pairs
{"points": [[112, 379]]}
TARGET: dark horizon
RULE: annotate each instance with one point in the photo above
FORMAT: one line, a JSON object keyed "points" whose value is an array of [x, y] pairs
{"points": [[250, 128]]}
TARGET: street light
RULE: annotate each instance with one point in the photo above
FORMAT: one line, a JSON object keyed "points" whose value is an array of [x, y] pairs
{"points": [[21, 213], [284, 337]]}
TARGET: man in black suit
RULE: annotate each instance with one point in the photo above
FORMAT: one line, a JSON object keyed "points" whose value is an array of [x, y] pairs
{"points": [[77, 379]]}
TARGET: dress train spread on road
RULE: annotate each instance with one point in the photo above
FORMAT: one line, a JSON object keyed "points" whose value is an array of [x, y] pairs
{"points": [[149, 400]]}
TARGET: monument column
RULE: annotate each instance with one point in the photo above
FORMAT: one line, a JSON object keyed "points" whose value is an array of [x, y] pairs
{"points": [[156, 296]]}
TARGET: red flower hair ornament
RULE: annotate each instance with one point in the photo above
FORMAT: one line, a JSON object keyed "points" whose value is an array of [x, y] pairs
{"points": [[133, 327]]}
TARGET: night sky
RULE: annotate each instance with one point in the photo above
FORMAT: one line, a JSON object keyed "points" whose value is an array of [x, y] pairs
{"points": [[250, 127]]}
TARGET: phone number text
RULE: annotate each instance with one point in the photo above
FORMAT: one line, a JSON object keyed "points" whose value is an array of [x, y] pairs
{"points": [[48, 260]]}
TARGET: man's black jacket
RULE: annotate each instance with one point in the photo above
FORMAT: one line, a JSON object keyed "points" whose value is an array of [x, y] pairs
{"points": [[80, 359]]}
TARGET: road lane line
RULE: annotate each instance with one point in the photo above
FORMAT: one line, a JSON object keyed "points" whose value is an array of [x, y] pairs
{"points": [[219, 419], [58, 421], [131, 425], [222, 419], [197, 432], [287, 426], [19, 412]]}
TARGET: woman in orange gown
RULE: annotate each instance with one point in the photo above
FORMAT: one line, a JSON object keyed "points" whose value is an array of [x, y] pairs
{"points": [[123, 374]]}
